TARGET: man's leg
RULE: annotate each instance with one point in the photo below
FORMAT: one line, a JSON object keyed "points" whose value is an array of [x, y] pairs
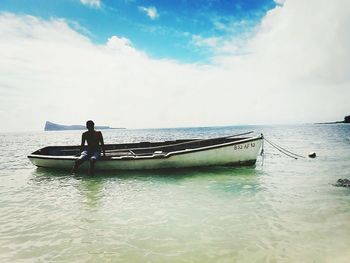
{"points": [[79, 161], [93, 160], [92, 166]]}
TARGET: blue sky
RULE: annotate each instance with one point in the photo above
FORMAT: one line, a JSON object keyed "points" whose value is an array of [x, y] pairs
{"points": [[187, 31]]}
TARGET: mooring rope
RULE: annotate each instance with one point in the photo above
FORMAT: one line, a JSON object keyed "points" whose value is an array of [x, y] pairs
{"points": [[283, 150]]}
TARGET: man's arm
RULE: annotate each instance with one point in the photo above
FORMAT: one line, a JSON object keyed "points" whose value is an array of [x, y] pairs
{"points": [[82, 143], [102, 144]]}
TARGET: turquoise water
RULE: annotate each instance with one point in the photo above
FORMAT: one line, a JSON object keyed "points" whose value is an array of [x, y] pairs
{"points": [[281, 210]]}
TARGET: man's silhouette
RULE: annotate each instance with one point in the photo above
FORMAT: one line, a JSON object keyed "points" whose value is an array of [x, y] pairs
{"points": [[94, 144]]}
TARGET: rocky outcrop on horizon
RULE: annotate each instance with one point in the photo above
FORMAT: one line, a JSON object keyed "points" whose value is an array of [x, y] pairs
{"points": [[346, 120], [50, 126]]}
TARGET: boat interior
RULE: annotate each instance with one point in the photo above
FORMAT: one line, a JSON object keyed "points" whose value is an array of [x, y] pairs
{"points": [[141, 148]]}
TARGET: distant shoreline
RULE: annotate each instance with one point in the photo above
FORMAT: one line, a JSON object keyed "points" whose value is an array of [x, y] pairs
{"points": [[50, 126], [346, 120], [333, 122]]}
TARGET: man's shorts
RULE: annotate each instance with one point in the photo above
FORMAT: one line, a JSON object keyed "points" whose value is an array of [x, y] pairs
{"points": [[85, 155]]}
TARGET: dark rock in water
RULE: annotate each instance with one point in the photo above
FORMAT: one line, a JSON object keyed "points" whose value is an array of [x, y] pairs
{"points": [[343, 183], [50, 126]]}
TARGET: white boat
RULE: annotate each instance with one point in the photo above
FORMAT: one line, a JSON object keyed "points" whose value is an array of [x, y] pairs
{"points": [[235, 150]]}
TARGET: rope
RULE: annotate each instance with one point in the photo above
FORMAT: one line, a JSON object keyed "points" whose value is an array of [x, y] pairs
{"points": [[284, 151], [262, 153]]}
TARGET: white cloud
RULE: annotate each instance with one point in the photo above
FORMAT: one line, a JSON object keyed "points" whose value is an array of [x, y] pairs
{"points": [[279, 2], [91, 3], [211, 42], [295, 70], [150, 11], [120, 44]]}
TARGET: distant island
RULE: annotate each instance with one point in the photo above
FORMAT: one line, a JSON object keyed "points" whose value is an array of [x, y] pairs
{"points": [[50, 126], [346, 120]]}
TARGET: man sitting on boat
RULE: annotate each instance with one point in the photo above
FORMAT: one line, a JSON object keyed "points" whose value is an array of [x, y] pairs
{"points": [[95, 142]]}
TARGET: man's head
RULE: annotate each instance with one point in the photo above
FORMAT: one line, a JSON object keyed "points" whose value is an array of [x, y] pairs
{"points": [[90, 125]]}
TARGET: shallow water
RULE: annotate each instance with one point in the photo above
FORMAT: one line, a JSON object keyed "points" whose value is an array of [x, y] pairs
{"points": [[281, 210]]}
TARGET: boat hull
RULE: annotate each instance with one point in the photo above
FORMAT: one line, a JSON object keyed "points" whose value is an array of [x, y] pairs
{"points": [[243, 152]]}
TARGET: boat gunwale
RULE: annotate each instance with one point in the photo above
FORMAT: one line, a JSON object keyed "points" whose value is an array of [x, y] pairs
{"points": [[148, 157]]}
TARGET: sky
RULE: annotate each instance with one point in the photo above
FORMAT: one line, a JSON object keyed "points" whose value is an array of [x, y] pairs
{"points": [[150, 64]]}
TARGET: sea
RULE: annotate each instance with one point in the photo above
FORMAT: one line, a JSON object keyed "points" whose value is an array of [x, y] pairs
{"points": [[280, 210]]}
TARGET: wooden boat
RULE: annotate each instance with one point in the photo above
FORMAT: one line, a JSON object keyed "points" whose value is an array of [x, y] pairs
{"points": [[235, 150]]}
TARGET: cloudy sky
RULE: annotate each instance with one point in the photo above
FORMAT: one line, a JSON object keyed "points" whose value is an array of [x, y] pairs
{"points": [[141, 64]]}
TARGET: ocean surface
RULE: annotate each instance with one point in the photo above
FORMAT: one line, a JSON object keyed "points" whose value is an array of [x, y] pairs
{"points": [[280, 210]]}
